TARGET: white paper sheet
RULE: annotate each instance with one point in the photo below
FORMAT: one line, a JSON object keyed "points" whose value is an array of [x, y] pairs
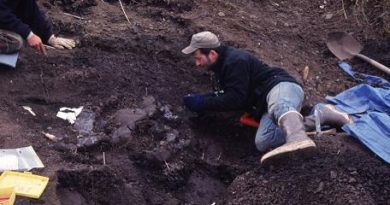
{"points": [[69, 114], [21, 159], [9, 59]]}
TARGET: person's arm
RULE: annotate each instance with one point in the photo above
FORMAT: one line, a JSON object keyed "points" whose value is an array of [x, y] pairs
{"points": [[43, 27], [40, 23], [237, 80], [9, 21]]}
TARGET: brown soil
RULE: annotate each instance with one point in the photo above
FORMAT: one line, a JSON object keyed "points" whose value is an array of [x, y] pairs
{"points": [[188, 159]]}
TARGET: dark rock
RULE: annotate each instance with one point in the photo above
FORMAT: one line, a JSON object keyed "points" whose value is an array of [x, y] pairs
{"points": [[351, 180], [64, 147], [85, 121], [182, 144], [172, 136], [333, 174], [128, 117], [166, 109], [91, 140], [149, 105], [121, 135], [71, 197], [320, 187], [160, 155]]}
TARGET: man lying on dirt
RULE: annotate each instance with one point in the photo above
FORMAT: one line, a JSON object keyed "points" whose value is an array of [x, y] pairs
{"points": [[246, 83], [22, 19]]}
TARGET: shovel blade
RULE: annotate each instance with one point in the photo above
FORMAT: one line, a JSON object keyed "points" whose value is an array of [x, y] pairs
{"points": [[343, 45]]}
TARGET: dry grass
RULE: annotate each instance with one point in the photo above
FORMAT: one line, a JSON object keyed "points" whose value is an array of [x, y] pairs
{"points": [[386, 17], [374, 13]]}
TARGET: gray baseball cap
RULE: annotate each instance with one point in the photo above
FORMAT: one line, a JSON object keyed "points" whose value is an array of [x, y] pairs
{"points": [[204, 39]]}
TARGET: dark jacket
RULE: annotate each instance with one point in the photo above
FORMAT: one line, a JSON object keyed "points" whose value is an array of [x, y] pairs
{"points": [[245, 81], [24, 16]]}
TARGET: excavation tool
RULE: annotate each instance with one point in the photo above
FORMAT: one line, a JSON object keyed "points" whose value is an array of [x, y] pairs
{"points": [[344, 46]]}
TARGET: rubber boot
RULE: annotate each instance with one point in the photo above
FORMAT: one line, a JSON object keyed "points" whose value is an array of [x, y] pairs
{"points": [[328, 116], [297, 142]]}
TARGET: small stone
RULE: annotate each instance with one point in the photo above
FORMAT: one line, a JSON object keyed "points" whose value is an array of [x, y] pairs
{"points": [[354, 173], [149, 105], [320, 187], [351, 169], [63, 147], [168, 113], [333, 174], [157, 128], [91, 140], [182, 144], [121, 135], [352, 180], [161, 155], [171, 136], [128, 117], [221, 14], [328, 16], [163, 143]]}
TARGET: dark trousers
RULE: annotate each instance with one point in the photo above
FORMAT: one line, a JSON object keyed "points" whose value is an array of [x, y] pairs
{"points": [[10, 42]]}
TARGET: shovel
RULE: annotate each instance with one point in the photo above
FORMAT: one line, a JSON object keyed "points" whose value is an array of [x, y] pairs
{"points": [[344, 46]]}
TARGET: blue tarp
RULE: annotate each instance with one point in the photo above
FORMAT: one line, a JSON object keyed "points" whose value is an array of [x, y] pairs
{"points": [[371, 110], [373, 130], [362, 98], [364, 78]]}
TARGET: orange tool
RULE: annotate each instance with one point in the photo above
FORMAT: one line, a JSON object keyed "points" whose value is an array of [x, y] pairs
{"points": [[247, 120]]}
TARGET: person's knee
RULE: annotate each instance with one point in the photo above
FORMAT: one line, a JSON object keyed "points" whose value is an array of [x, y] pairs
{"points": [[269, 141], [261, 144], [283, 98], [10, 42], [277, 109], [18, 41]]}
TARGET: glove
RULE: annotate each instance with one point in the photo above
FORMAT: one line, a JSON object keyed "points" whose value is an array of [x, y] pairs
{"points": [[61, 43], [195, 103]]}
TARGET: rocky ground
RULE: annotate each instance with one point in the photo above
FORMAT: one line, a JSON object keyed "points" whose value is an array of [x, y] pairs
{"points": [[130, 78]]}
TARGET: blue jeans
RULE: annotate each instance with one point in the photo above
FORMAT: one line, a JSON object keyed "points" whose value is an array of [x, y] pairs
{"points": [[284, 97]]}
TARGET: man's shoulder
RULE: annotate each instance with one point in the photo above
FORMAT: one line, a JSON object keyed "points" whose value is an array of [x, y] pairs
{"points": [[234, 55]]}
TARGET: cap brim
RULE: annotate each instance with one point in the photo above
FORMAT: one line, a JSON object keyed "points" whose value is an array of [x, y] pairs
{"points": [[188, 50]]}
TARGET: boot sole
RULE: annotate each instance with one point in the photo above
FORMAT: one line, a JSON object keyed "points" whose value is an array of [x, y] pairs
{"points": [[303, 149]]}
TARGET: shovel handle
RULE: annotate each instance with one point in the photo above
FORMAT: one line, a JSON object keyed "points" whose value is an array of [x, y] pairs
{"points": [[374, 63]]}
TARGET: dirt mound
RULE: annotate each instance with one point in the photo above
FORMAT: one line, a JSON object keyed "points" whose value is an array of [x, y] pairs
{"points": [[97, 186], [171, 5], [340, 175], [374, 14], [74, 6]]}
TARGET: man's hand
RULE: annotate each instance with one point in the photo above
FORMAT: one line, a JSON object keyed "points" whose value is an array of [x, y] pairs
{"points": [[35, 42], [61, 43], [194, 103]]}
